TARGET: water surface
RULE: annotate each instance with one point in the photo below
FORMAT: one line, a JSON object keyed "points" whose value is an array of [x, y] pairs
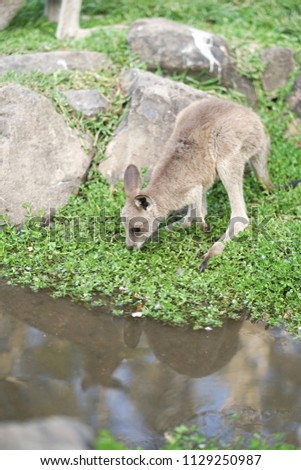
{"points": [[139, 378]]}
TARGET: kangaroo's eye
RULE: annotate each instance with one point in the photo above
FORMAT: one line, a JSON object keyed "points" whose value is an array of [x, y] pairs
{"points": [[136, 230]]}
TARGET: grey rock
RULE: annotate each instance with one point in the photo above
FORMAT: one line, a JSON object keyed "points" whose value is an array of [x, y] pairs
{"points": [[54, 433], [52, 9], [8, 9], [176, 47], [89, 102], [232, 79], [279, 64], [294, 133], [294, 100], [49, 62], [41, 159], [142, 134], [295, 97]]}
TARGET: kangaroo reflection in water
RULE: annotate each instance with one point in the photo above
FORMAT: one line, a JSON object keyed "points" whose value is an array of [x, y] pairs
{"points": [[139, 378]]}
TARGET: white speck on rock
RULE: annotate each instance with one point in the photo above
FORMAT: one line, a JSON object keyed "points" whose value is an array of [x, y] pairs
{"points": [[203, 42], [63, 63]]}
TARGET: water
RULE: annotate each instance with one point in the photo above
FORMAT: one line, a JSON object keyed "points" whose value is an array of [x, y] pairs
{"points": [[138, 378]]}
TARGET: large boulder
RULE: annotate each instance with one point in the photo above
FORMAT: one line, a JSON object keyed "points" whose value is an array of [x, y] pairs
{"points": [[41, 159], [143, 132], [278, 67], [49, 62], [8, 9], [176, 47]]}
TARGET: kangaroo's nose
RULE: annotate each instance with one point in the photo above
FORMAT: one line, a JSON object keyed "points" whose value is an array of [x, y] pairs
{"points": [[130, 247]]}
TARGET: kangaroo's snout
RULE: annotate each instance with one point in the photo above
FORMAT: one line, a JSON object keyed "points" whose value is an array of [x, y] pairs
{"points": [[134, 245]]}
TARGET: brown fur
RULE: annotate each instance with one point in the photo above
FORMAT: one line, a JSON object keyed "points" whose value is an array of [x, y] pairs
{"points": [[212, 138]]}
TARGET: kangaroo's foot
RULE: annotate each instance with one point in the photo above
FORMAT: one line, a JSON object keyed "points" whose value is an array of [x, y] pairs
{"points": [[216, 249]]}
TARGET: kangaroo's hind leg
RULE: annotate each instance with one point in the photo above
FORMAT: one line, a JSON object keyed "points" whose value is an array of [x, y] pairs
{"points": [[233, 182]]}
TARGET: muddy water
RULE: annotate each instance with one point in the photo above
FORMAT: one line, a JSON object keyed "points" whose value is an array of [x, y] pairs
{"points": [[139, 378]]}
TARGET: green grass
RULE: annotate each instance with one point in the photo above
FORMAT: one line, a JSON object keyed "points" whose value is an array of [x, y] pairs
{"points": [[189, 438], [83, 254]]}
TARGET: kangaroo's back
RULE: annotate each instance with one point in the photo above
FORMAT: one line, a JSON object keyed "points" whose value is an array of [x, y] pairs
{"points": [[221, 127], [206, 133]]}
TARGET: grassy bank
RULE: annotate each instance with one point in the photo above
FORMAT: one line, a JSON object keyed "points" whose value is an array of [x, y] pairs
{"points": [[83, 255], [190, 438]]}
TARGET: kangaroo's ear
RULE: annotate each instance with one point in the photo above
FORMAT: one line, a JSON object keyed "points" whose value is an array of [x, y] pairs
{"points": [[132, 180], [143, 201]]}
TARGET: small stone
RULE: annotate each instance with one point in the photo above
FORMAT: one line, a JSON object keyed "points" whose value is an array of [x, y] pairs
{"points": [[295, 97], [279, 64], [288, 314], [294, 132], [137, 314], [88, 102]]}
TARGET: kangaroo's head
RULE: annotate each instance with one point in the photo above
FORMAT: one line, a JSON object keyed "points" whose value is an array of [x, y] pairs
{"points": [[140, 213]]}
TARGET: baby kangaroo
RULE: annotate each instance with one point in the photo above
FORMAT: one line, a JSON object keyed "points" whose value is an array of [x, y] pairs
{"points": [[213, 138]]}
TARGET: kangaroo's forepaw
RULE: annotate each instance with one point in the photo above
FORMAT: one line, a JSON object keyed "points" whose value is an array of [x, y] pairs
{"points": [[203, 226], [179, 224], [206, 228]]}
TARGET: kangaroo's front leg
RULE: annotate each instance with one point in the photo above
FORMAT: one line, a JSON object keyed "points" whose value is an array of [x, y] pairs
{"points": [[196, 211], [239, 219], [185, 222]]}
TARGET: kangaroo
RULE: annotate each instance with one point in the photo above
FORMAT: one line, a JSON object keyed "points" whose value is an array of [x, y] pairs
{"points": [[212, 138]]}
